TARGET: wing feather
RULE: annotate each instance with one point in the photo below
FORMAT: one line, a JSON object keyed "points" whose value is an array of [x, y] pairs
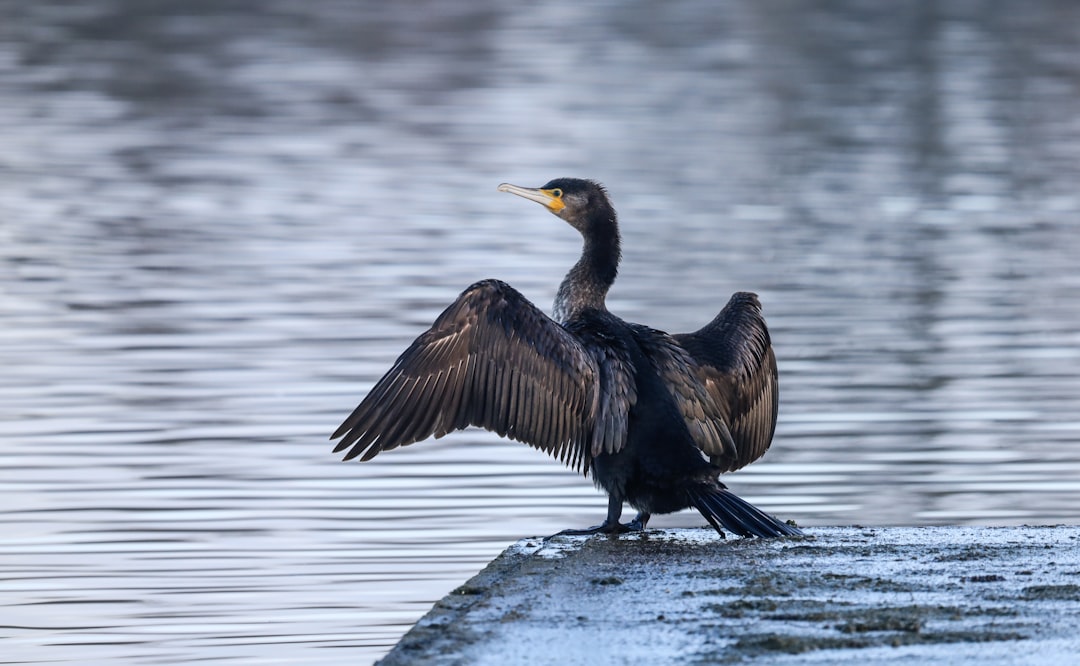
{"points": [[492, 359], [702, 411], [737, 367]]}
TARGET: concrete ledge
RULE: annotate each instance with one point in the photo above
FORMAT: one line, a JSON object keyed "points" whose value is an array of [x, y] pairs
{"points": [[943, 595]]}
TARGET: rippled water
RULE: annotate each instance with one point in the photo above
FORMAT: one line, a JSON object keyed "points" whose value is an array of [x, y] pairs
{"points": [[220, 222]]}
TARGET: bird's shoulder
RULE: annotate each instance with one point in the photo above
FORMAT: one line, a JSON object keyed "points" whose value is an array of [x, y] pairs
{"points": [[735, 340]]}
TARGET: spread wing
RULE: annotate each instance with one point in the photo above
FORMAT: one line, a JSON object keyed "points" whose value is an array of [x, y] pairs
{"points": [[492, 359], [737, 367]]}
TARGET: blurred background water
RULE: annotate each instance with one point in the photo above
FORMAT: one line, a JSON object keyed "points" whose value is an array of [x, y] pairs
{"points": [[220, 222]]}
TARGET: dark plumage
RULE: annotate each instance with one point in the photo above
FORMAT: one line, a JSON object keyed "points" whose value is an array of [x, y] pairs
{"points": [[655, 418]]}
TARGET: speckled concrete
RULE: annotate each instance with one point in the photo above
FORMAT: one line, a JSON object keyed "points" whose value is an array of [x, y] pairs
{"points": [[942, 595]]}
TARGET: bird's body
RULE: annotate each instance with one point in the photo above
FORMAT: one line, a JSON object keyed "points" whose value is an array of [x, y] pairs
{"points": [[655, 418]]}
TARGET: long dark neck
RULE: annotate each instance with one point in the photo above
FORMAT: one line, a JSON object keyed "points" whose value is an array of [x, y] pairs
{"points": [[586, 285]]}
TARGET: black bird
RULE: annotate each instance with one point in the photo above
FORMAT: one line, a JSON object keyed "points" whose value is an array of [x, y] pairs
{"points": [[655, 418]]}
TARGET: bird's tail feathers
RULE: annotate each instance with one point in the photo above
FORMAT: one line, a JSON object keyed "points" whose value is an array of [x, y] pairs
{"points": [[724, 509]]}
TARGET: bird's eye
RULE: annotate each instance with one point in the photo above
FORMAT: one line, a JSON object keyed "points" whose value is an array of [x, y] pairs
{"points": [[557, 193]]}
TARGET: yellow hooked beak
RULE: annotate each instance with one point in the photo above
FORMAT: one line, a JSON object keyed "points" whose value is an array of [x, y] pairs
{"points": [[552, 199]]}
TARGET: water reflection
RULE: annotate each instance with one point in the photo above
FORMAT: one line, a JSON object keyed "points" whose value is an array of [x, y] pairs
{"points": [[221, 222]]}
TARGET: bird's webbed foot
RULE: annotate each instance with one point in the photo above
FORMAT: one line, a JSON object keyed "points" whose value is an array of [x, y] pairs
{"points": [[605, 527], [608, 527], [638, 523]]}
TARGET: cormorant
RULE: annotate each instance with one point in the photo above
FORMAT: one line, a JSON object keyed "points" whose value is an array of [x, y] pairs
{"points": [[655, 418]]}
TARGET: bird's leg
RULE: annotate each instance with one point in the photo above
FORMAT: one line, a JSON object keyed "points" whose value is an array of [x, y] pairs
{"points": [[611, 524]]}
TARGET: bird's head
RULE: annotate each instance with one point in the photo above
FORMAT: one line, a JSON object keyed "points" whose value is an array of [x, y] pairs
{"points": [[580, 202]]}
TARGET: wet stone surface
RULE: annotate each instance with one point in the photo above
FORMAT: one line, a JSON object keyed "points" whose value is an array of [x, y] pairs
{"points": [[872, 595]]}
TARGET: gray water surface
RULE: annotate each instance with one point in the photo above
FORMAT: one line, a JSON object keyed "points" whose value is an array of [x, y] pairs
{"points": [[221, 222]]}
